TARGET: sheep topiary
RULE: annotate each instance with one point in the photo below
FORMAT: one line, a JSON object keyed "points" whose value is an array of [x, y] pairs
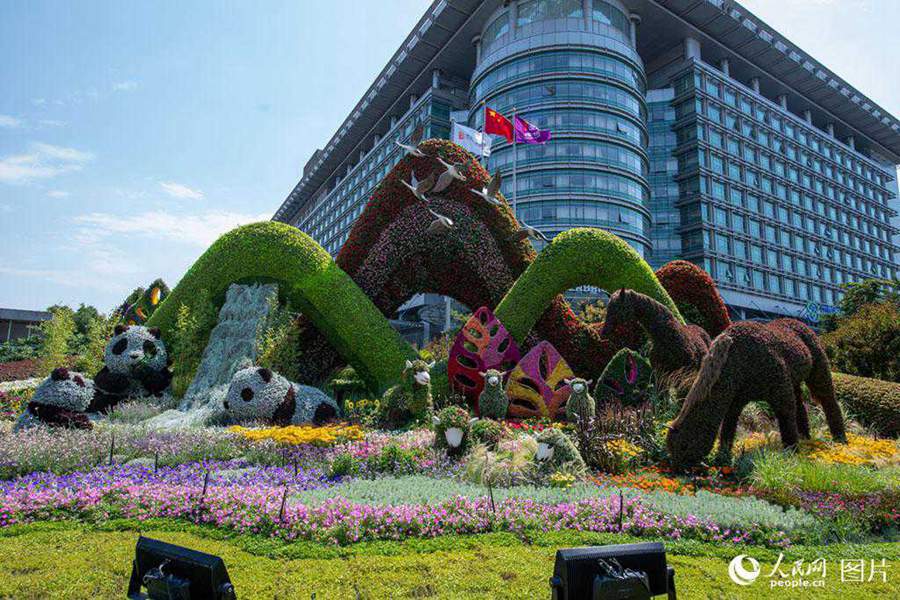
{"points": [[59, 401], [581, 404], [453, 430], [556, 452], [492, 402], [409, 400]]}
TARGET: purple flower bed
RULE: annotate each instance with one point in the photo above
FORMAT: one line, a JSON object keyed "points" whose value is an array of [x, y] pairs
{"points": [[248, 500]]}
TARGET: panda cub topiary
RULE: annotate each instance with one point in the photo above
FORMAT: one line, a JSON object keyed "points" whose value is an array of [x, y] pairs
{"points": [[136, 365], [59, 401], [257, 394]]}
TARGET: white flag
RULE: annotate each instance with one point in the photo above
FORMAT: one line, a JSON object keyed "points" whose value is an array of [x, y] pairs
{"points": [[472, 140]]}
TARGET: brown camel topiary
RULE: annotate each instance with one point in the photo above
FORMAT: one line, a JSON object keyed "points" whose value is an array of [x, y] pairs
{"points": [[754, 361], [676, 347]]}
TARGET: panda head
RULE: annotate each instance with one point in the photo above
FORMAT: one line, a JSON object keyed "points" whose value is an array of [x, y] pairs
{"points": [[65, 389], [135, 346], [259, 394]]}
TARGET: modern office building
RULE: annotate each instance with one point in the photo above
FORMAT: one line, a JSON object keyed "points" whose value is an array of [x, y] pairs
{"points": [[690, 128]]}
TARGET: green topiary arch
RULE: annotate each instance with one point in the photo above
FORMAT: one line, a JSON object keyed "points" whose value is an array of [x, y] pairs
{"points": [[311, 281], [576, 257]]}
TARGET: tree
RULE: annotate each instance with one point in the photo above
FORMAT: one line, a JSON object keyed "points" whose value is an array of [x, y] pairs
{"points": [[861, 293], [55, 346], [84, 316], [867, 343]]}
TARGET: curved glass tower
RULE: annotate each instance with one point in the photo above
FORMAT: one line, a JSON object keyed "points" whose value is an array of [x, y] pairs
{"points": [[569, 66]]}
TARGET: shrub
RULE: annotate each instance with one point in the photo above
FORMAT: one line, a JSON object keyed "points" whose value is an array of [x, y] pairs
{"points": [[20, 349], [189, 336], [487, 432], [55, 346], [344, 465], [874, 403], [98, 331], [279, 338], [392, 459], [272, 251], [867, 343]]}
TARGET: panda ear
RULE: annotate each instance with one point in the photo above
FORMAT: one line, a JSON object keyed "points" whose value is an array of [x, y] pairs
{"points": [[59, 374], [155, 332], [120, 329], [266, 374]]}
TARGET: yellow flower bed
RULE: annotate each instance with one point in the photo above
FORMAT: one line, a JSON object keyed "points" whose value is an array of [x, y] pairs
{"points": [[859, 450], [295, 435], [623, 449]]}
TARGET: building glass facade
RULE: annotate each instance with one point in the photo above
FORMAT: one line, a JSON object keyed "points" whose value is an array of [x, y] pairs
{"points": [[655, 138]]}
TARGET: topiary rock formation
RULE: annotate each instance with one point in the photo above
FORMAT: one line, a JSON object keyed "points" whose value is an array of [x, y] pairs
{"points": [[409, 400], [59, 401], [581, 404], [452, 430], [556, 452], [754, 361], [492, 402], [676, 346], [627, 379]]}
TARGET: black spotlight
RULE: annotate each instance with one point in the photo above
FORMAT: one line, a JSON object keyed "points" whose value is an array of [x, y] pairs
{"points": [[171, 572], [619, 572]]}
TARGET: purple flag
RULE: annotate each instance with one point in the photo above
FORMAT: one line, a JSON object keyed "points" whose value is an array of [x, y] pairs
{"points": [[526, 133]]}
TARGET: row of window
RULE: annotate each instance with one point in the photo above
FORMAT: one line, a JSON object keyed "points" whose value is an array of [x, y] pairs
{"points": [[579, 91], [782, 128], [560, 119], [562, 150], [729, 274], [565, 62], [583, 213], [877, 225], [578, 182]]}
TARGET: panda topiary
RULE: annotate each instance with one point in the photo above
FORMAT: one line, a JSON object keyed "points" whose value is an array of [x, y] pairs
{"points": [[258, 394], [136, 365], [59, 401]]}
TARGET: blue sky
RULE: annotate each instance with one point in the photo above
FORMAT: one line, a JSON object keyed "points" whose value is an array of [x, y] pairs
{"points": [[133, 134]]}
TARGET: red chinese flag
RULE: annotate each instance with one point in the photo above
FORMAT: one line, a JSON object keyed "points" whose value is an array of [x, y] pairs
{"points": [[497, 124]]}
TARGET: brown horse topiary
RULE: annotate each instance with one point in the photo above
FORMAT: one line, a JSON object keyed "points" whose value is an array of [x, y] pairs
{"points": [[754, 362]]}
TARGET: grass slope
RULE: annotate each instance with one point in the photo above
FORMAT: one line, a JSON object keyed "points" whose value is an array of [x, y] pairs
{"points": [[310, 280], [66, 560], [581, 256]]}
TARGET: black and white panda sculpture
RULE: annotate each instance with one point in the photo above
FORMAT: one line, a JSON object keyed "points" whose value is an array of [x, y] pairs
{"points": [[59, 401], [260, 395], [136, 365]]}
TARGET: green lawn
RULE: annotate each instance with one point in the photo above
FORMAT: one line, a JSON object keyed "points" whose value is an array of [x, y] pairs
{"points": [[69, 560]]}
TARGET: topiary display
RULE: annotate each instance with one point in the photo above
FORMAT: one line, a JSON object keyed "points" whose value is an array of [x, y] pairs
{"points": [[754, 361], [452, 430], [692, 288], [556, 452], [483, 344], [676, 346], [627, 379], [135, 365], [409, 400], [492, 402], [59, 401], [312, 283], [873, 402], [260, 395], [581, 404], [142, 303], [488, 432], [537, 386]]}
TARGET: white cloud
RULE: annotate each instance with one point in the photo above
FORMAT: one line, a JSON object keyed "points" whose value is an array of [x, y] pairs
{"points": [[179, 190], [196, 230], [51, 123], [39, 101], [10, 122], [43, 161], [125, 86], [58, 194]]}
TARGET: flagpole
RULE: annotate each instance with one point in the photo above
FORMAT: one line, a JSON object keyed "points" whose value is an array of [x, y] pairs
{"points": [[515, 165], [483, 126]]}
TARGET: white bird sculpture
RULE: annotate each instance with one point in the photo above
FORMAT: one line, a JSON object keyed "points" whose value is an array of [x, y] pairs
{"points": [[446, 178], [489, 193], [412, 148], [440, 223], [527, 231], [420, 188]]}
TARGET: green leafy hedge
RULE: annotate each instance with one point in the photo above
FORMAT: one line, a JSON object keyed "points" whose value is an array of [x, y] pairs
{"points": [[310, 280], [873, 402], [581, 256]]}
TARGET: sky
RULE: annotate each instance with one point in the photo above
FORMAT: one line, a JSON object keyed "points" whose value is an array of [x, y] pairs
{"points": [[133, 134]]}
